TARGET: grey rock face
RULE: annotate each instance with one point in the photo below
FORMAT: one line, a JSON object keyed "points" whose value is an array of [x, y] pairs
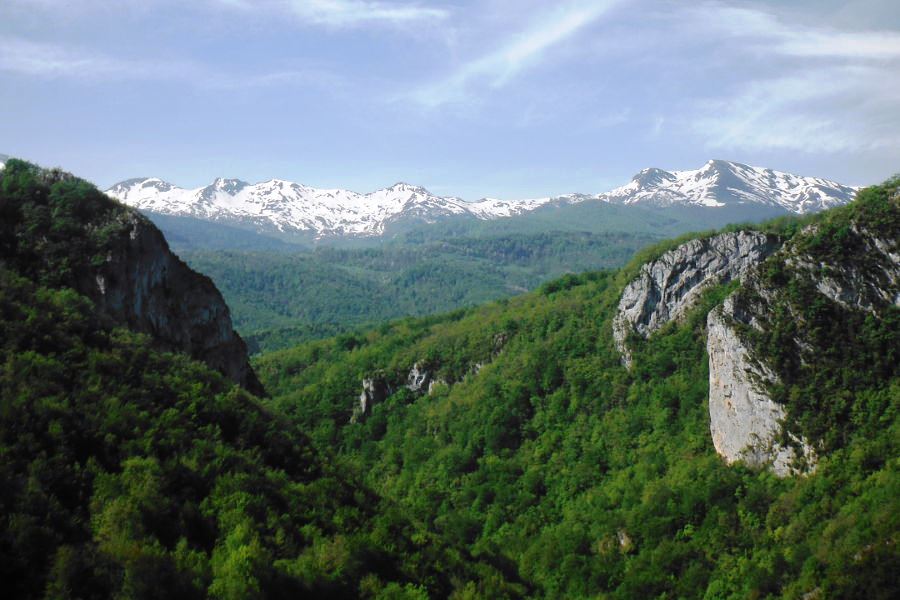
{"points": [[868, 284], [668, 287], [418, 379], [744, 421], [374, 390], [145, 287]]}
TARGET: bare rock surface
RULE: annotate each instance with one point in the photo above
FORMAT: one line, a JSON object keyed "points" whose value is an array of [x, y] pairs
{"points": [[144, 286], [668, 287], [419, 379], [374, 390], [869, 283], [745, 423]]}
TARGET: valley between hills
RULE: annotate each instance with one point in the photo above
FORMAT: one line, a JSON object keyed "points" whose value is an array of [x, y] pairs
{"points": [[356, 260], [590, 399]]}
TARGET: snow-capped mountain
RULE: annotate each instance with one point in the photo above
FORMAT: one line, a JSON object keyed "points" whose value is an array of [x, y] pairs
{"points": [[283, 206], [721, 183], [291, 207]]}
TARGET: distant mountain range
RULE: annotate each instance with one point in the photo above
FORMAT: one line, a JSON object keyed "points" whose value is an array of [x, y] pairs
{"points": [[284, 207], [287, 209]]}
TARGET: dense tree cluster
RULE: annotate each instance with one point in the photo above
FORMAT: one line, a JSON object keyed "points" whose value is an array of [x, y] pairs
{"points": [[281, 298], [535, 465], [594, 481], [133, 473]]}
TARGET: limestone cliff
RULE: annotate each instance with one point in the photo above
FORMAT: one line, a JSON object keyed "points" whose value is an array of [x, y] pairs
{"points": [[668, 287], [143, 285], [745, 423], [375, 389], [61, 232], [764, 337], [863, 275], [868, 282]]}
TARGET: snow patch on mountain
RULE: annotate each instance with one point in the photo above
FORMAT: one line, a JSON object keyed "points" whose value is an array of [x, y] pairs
{"points": [[284, 206], [291, 207], [722, 183]]}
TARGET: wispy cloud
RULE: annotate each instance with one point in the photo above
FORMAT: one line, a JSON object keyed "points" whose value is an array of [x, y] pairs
{"points": [[824, 110], [343, 13], [831, 91], [54, 61], [775, 36], [521, 51], [328, 13], [348, 13]]}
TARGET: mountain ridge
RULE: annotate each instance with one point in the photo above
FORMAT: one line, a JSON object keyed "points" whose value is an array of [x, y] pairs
{"points": [[282, 206], [116, 257]]}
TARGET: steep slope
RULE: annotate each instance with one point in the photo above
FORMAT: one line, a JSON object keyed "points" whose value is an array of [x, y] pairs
{"points": [[286, 207], [855, 271], [514, 428], [133, 472], [62, 232], [670, 285]]}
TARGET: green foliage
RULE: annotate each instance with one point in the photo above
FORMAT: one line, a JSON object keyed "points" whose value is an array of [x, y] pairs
{"points": [[135, 473], [591, 481], [131, 472], [833, 391], [279, 299], [535, 466], [55, 226]]}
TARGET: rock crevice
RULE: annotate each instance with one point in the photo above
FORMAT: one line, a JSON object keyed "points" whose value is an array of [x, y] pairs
{"points": [[669, 286]]}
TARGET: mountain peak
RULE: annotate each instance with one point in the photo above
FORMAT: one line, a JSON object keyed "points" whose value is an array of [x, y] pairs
{"points": [[147, 184], [402, 186], [726, 183], [229, 186], [285, 207], [651, 176]]}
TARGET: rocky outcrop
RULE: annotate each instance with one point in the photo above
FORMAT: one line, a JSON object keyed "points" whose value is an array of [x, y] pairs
{"points": [[419, 379], [668, 287], [374, 390], [62, 232], [141, 284], [745, 423], [869, 283]]}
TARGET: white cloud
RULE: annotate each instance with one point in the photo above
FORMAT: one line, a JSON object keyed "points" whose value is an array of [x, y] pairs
{"points": [[824, 90], [330, 13], [524, 50], [346, 13], [53, 61], [823, 110], [776, 36]]}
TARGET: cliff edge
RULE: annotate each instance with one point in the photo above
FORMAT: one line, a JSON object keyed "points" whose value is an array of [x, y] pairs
{"points": [[61, 231]]}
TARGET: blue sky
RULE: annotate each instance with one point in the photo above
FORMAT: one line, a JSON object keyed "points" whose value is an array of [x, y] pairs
{"points": [[501, 98]]}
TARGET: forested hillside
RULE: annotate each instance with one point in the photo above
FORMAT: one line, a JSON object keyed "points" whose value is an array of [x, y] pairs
{"points": [[514, 428], [132, 472], [282, 298], [502, 451], [286, 291]]}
